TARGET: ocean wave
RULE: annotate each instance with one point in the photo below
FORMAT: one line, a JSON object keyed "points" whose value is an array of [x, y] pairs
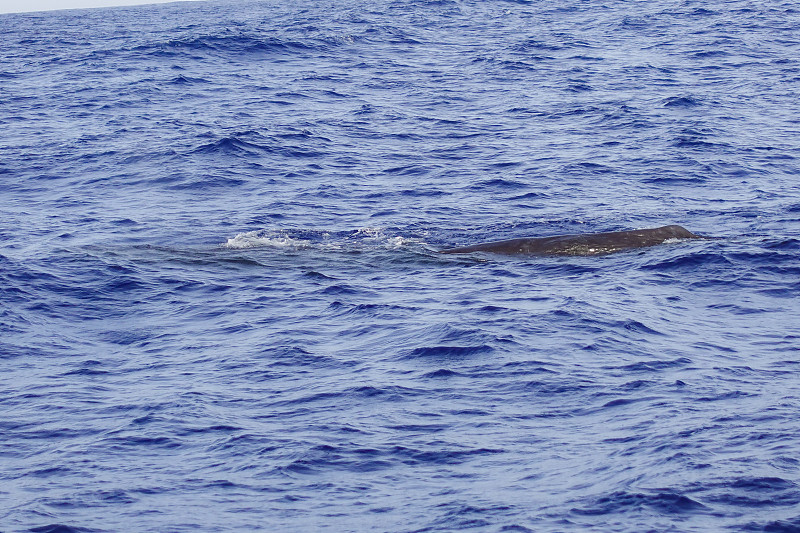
{"points": [[62, 528], [681, 102], [230, 43], [253, 144], [666, 502]]}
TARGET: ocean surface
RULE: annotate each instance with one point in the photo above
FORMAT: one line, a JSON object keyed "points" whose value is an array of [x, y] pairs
{"points": [[222, 306]]}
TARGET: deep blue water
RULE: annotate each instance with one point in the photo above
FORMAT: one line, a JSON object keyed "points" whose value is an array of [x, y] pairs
{"points": [[221, 306]]}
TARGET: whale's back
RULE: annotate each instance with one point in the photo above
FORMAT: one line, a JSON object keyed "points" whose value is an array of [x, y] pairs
{"points": [[581, 244]]}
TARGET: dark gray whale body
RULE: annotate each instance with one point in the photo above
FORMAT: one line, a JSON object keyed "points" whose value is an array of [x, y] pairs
{"points": [[589, 244]]}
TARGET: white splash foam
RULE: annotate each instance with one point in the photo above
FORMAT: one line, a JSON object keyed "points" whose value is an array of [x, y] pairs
{"points": [[255, 239], [380, 238], [361, 239], [368, 233], [399, 242]]}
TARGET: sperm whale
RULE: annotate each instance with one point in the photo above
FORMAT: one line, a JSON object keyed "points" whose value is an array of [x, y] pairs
{"points": [[581, 244]]}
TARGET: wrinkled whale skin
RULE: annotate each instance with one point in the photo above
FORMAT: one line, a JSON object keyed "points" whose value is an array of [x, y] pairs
{"points": [[582, 244]]}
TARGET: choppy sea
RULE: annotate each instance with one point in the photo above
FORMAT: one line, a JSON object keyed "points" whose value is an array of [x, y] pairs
{"points": [[222, 306]]}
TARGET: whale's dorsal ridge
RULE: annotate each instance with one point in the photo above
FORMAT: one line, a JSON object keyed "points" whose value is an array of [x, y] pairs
{"points": [[581, 244]]}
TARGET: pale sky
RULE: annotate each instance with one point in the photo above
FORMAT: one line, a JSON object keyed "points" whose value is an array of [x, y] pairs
{"points": [[20, 6]]}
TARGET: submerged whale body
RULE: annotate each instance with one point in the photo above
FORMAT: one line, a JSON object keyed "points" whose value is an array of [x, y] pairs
{"points": [[588, 244]]}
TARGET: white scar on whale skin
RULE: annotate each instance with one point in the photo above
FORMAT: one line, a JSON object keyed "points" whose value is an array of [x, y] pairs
{"points": [[581, 244]]}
